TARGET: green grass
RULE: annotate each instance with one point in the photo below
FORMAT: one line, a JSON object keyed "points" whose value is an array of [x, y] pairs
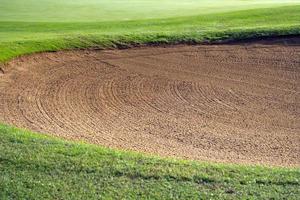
{"points": [[33, 166], [104, 25], [120, 10]]}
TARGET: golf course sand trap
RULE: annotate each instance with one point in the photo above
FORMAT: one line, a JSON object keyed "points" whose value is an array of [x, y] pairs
{"points": [[237, 103]]}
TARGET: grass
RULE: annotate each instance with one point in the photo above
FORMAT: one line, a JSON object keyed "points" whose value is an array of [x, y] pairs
{"points": [[121, 10], [33, 166], [23, 37]]}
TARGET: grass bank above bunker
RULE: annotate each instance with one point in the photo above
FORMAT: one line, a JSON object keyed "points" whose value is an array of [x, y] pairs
{"points": [[18, 38]]}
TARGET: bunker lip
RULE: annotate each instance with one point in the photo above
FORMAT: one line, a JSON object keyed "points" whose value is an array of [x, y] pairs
{"points": [[224, 103], [265, 40]]}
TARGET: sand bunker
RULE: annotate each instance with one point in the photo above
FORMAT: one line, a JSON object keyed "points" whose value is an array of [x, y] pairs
{"points": [[227, 103]]}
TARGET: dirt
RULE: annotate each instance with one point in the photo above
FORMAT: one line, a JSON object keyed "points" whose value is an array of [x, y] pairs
{"points": [[1, 71], [224, 103]]}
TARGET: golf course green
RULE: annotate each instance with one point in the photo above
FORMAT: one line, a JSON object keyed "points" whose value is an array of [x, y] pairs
{"points": [[34, 166]]}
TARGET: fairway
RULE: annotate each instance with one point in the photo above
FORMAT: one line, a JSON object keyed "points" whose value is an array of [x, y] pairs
{"points": [[149, 99], [120, 10]]}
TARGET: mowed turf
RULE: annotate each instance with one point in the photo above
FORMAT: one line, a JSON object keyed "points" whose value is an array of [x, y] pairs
{"points": [[121, 10], [34, 26], [37, 167]]}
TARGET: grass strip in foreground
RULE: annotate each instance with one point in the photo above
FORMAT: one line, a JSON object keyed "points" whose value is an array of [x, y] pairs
{"points": [[34, 166]]}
